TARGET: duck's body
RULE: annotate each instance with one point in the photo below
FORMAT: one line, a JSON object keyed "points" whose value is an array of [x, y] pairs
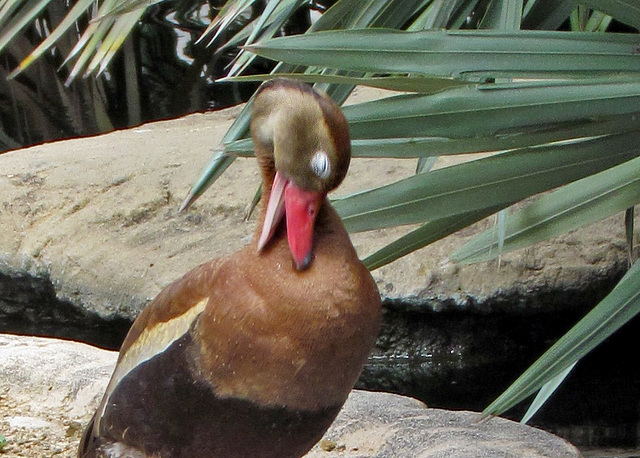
{"points": [[245, 356]]}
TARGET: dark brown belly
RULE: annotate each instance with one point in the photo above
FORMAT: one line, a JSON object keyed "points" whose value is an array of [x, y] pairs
{"points": [[161, 409]]}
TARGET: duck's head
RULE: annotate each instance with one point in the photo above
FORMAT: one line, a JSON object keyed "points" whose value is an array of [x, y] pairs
{"points": [[301, 140]]}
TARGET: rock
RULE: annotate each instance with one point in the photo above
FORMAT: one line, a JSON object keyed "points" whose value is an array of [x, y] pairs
{"points": [[48, 391], [92, 223], [53, 375], [16, 422], [60, 384], [374, 424]]}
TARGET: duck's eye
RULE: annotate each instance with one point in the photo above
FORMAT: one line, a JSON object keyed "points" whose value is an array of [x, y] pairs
{"points": [[320, 165]]}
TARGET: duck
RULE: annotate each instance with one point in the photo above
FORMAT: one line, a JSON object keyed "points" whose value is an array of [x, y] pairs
{"points": [[253, 354]]}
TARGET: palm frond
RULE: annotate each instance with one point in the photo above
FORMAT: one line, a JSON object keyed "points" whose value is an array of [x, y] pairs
{"points": [[584, 202], [620, 306], [469, 54]]}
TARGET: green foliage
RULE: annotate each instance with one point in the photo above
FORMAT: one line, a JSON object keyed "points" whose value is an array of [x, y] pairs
{"points": [[465, 54], [141, 69], [607, 317]]}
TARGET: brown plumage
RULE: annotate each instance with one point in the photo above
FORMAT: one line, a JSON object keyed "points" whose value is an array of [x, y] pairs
{"points": [[253, 354]]}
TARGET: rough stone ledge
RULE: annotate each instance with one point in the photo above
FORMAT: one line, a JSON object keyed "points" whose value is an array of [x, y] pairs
{"points": [[55, 386], [97, 219]]}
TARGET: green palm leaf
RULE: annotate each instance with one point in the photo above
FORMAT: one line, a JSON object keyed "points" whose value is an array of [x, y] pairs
{"points": [[578, 204], [346, 13], [626, 11], [545, 393], [487, 118], [78, 10], [421, 84], [546, 14], [275, 15], [12, 24], [423, 236], [498, 110], [504, 15], [495, 181], [464, 53], [229, 13], [112, 41], [620, 306]]}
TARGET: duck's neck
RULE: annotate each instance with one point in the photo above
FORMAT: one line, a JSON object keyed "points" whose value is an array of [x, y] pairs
{"points": [[268, 171]]}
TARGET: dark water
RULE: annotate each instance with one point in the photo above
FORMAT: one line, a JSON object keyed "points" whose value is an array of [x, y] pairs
{"points": [[597, 408]]}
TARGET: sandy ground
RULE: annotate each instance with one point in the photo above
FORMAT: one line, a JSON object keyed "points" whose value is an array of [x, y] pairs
{"points": [[48, 435]]}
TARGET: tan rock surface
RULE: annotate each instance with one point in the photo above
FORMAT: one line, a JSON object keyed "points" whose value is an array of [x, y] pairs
{"points": [[49, 389], [98, 216]]}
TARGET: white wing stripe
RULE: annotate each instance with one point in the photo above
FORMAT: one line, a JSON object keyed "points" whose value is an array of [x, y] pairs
{"points": [[150, 343]]}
